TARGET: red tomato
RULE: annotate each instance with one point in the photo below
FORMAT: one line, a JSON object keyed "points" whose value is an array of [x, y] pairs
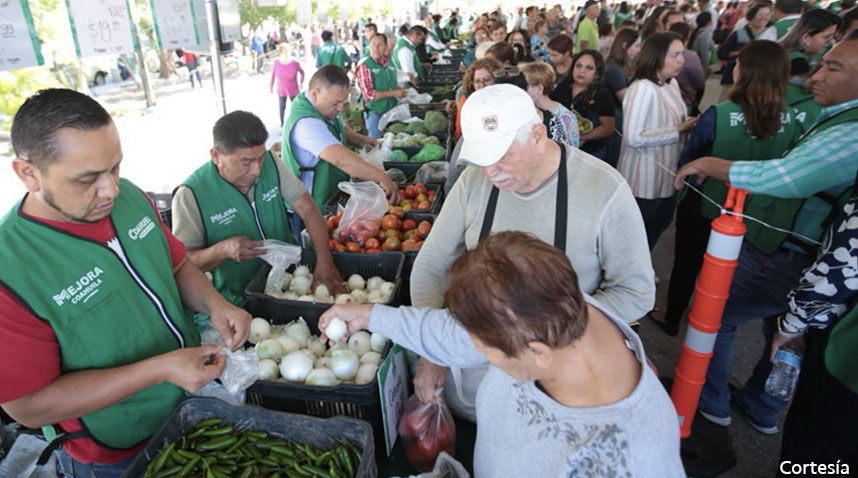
{"points": [[409, 224], [390, 221], [409, 245], [353, 247], [410, 191], [372, 243], [421, 188]]}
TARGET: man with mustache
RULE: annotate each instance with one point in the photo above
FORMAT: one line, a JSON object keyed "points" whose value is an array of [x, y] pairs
{"points": [[521, 180]]}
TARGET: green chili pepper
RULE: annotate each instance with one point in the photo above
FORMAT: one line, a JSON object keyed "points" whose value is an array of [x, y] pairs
{"points": [[218, 443], [316, 471], [162, 458], [208, 422], [219, 431], [169, 472], [190, 466]]}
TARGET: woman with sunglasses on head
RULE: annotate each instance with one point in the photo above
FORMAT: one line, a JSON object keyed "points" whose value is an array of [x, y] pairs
{"points": [[655, 118], [585, 93]]}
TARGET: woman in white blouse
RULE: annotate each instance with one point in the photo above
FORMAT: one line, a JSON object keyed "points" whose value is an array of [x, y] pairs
{"points": [[654, 121]]}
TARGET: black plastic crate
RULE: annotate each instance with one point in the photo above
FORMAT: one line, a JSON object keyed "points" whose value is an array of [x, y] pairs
{"points": [[410, 170], [164, 203], [340, 198], [318, 432], [408, 265], [387, 265], [357, 401]]}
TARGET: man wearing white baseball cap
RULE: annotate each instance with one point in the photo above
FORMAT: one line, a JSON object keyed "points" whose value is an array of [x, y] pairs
{"points": [[521, 180]]}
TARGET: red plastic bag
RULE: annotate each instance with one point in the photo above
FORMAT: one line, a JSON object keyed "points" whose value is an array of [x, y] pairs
{"points": [[427, 429]]}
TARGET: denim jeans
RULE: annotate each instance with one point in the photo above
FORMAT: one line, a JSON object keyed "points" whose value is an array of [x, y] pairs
{"points": [[759, 289], [372, 124], [68, 467]]}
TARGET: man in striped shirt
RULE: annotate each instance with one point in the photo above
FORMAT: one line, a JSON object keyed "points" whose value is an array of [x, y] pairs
{"points": [[809, 178]]}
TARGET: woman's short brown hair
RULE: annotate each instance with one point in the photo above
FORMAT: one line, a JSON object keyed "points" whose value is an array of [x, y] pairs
{"points": [[488, 63], [539, 74], [514, 289], [561, 43]]}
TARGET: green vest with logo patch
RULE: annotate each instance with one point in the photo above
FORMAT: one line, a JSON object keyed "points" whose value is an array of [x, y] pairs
{"points": [[383, 79], [227, 213], [326, 176], [108, 305], [782, 26], [804, 102], [418, 67], [332, 54]]}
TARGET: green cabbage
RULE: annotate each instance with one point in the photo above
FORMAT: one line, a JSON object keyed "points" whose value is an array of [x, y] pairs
{"points": [[396, 128], [436, 122], [416, 127], [398, 155], [429, 152]]}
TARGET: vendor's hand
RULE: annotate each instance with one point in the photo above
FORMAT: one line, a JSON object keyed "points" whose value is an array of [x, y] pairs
{"points": [[449, 106], [429, 377], [327, 273], [191, 368], [688, 124], [368, 142], [413, 78], [242, 248], [232, 323], [391, 190], [400, 93], [699, 168], [356, 317]]}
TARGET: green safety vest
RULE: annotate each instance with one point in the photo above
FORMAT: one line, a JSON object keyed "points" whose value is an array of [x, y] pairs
{"points": [[733, 142], [332, 54], [418, 67], [326, 176], [782, 212], [108, 305], [227, 213], [434, 35], [383, 79], [805, 104], [783, 25]]}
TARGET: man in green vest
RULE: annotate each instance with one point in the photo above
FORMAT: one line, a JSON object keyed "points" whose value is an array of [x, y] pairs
{"points": [[376, 79], [405, 54], [822, 425], [315, 139], [95, 293], [785, 14], [369, 31], [797, 193], [434, 43], [226, 209], [329, 52]]}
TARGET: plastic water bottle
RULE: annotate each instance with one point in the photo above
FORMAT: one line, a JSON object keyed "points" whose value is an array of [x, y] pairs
{"points": [[785, 369]]}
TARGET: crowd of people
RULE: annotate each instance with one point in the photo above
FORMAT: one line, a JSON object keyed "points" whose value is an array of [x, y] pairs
{"points": [[579, 140]]}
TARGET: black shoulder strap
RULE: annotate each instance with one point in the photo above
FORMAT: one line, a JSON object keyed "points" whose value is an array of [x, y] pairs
{"points": [[489, 217], [57, 442]]}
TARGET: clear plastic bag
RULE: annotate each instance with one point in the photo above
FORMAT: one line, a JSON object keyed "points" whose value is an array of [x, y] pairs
{"points": [[415, 98], [398, 113], [427, 429], [280, 255], [241, 370], [362, 218], [434, 172], [445, 467], [374, 156]]}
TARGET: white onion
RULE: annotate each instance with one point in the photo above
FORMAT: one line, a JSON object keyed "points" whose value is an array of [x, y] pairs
{"points": [[359, 296], [315, 346], [307, 298], [377, 342], [386, 289], [300, 285], [322, 292], [339, 346], [344, 363], [300, 331], [296, 366], [370, 357], [336, 329], [359, 343], [260, 329], [377, 297], [301, 271], [374, 283], [287, 281], [290, 296], [267, 370], [269, 349], [356, 282], [343, 299], [322, 377], [288, 343], [366, 373]]}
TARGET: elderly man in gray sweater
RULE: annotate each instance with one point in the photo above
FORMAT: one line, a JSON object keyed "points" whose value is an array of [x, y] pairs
{"points": [[521, 180]]}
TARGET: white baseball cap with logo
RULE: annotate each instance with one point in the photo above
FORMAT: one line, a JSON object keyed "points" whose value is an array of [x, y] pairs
{"points": [[491, 118]]}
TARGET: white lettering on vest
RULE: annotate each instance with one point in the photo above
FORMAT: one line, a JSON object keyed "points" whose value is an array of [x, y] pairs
{"points": [[267, 196], [142, 229], [82, 290], [224, 218]]}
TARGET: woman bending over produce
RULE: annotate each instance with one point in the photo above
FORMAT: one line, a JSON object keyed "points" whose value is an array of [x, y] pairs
{"points": [[567, 391]]}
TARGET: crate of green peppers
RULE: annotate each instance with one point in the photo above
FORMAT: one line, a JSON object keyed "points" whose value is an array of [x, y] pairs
{"points": [[208, 438]]}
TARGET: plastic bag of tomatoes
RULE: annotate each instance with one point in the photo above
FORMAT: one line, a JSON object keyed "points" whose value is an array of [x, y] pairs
{"points": [[364, 209], [427, 429]]}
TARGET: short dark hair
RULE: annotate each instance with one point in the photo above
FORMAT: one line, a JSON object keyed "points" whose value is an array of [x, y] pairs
{"points": [[789, 6], [703, 19], [755, 8], [652, 55], [513, 289], [371, 25], [847, 19], [561, 43], [328, 76], [239, 129], [418, 29], [42, 115], [503, 52], [382, 35], [682, 30], [327, 35], [436, 18]]}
